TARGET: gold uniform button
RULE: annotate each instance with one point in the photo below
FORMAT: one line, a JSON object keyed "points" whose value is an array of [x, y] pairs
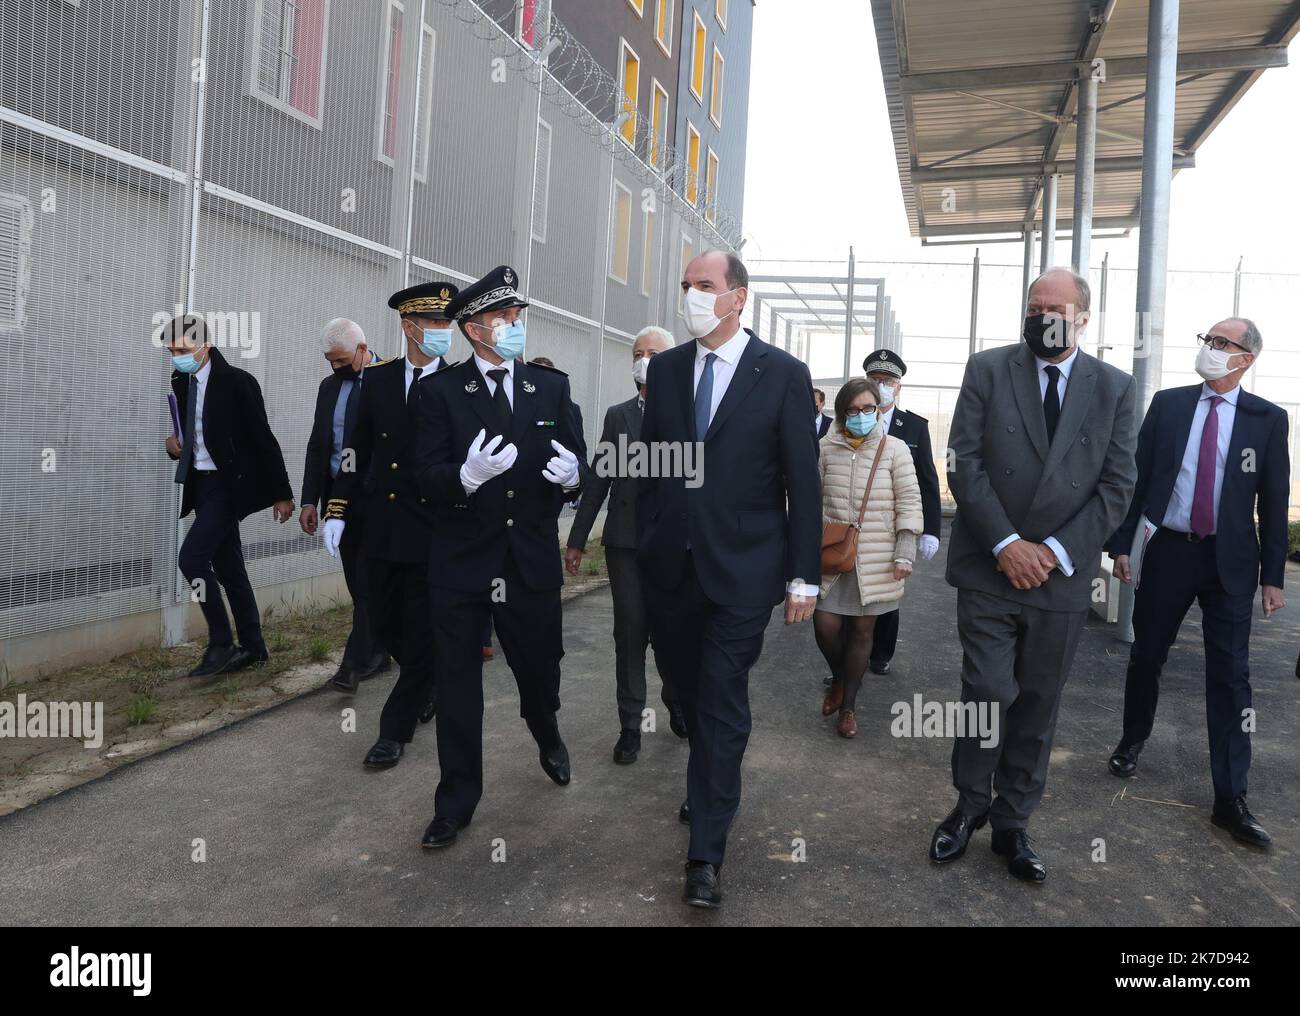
{"points": [[510, 493], [392, 497], [383, 435], [393, 466], [510, 522]]}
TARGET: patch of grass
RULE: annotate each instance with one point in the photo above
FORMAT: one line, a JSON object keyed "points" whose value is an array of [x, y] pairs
{"points": [[142, 710], [318, 650], [229, 688]]}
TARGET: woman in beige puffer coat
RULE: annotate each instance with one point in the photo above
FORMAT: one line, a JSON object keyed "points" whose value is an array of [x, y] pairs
{"points": [[849, 603]]}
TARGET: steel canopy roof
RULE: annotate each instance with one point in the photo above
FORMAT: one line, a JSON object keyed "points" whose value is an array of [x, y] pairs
{"points": [[981, 99]]}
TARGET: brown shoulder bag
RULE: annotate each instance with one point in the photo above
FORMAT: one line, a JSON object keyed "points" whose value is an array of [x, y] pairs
{"points": [[840, 539]]}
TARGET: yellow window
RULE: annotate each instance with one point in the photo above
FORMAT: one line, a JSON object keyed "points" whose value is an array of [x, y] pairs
{"points": [[621, 249], [631, 89], [715, 100], [698, 53], [692, 164], [658, 121], [711, 188], [664, 25], [720, 12]]}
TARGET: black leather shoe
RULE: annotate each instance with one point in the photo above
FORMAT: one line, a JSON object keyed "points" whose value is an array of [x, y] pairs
{"points": [[215, 660], [1022, 861], [702, 888], [245, 658], [345, 679], [953, 835], [629, 743], [684, 813], [384, 755], [378, 664], [442, 832], [430, 709], [1124, 762], [677, 721], [555, 763], [880, 667], [1235, 817]]}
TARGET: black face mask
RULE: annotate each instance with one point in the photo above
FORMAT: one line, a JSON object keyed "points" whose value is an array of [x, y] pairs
{"points": [[1047, 335], [346, 373]]}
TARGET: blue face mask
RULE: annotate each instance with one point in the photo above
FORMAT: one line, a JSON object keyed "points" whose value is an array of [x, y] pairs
{"points": [[509, 340], [186, 363], [862, 424], [436, 342]]}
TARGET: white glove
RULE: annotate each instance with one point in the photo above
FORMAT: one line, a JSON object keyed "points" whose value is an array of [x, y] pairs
{"points": [[563, 468], [482, 464], [928, 546], [332, 534]]}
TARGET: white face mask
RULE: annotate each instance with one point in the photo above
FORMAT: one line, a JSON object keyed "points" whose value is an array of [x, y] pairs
{"points": [[700, 317], [641, 370], [1212, 364], [887, 395]]}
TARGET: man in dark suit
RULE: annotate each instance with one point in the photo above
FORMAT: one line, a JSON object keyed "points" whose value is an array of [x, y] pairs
{"points": [[631, 623], [337, 402], [721, 548], [823, 421], [1208, 456], [1041, 466], [229, 465], [380, 482], [499, 456], [887, 369]]}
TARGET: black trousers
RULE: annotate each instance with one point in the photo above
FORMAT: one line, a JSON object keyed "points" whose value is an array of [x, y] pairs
{"points": [[356, 573], [212, 558], [1174, 573], [530, 627], [707, 650], [884, 638], [399, 617], [631, 637]]}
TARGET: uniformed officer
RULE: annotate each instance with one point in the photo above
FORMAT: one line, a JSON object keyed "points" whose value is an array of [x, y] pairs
{"points": [[399, 519], [886, 368], [498, 458]]}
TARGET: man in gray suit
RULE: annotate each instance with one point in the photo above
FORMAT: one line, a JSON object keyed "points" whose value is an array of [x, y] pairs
{"points": [[1041, 464], [631, 623]]}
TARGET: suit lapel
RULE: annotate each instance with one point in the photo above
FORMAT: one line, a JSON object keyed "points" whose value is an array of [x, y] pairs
{"points": [[523, 414], [476, 391], [1237, 442], [1078, 397], [1186, 413], [743, 379], [1024, 382]]}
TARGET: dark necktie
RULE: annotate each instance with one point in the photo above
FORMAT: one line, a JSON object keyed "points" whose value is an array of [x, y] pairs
{"points": [[350, 412], [1207, 466], [1052, 401], [187, 452], [413, 393], [500, 397], [704, 398]]}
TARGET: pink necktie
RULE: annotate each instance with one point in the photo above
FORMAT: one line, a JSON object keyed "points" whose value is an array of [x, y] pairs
{"points": [[1206, 465]]}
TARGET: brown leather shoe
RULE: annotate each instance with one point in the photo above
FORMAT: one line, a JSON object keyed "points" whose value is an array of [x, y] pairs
{"points": [[833, 700], [848, 725]]}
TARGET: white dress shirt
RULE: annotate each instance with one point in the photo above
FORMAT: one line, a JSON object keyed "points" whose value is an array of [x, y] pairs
{"points": [[887, 420], [724, 367], [1179, 513], [425, 371], [202, 460], [509, 379], [1063, 560]]}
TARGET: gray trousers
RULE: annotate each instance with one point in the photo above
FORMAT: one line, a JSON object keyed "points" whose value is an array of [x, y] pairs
{"points": [[1015, 658], [631, 636]]}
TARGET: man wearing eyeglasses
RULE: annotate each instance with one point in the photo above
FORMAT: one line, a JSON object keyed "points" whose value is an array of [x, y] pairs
{"points": [[1208, 456]]}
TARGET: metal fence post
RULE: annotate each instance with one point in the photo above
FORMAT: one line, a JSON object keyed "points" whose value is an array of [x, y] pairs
{"points": [[848, 316], [974, 303]]}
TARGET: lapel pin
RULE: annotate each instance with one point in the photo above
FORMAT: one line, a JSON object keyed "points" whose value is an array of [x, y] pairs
{"points": [[529, 387], [472, 387]]}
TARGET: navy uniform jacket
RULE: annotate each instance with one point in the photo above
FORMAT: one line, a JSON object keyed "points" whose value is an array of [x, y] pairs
{"points": [[1257, 471], [516, 511], [755, 523], [398, 516], [238, 436], [914, 431]]}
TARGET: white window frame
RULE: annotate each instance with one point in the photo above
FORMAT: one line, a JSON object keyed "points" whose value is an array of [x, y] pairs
{"points": [[545, 7], [648, 217], [382, 90], [613, 230], [666, 43], [715, 98], [624, 48], [22, 261], [254, 85], [721, 13], [421, 170], [638, 7], [692, 130], [686, 241], [659, 135], [711, 200], [690, 71], [546, 212]]}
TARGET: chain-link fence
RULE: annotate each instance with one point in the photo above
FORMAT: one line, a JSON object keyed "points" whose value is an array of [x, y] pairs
{"points": [[273, 164]]}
